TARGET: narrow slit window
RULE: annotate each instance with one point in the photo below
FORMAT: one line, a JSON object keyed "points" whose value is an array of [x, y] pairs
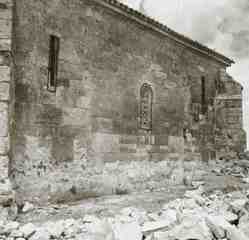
{"points": [[203, 95], [146, 95], [54, 46]]}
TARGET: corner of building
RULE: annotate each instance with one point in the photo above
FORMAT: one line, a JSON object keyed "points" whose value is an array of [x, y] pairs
{"points": [[6, 10], [230, 135]]}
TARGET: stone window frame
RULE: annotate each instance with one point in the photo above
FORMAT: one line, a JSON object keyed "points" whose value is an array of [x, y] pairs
{"points": [[146, 120], [53, 59]]}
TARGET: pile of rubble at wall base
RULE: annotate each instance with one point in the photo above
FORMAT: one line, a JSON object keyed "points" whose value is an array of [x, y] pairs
{"points": [[196, 216], [236, 168]]}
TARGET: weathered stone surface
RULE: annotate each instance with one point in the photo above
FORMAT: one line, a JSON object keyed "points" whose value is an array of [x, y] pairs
{"points": [[5, 31], [27, 207], [4, 91], [40, 234], [4, 145], [155, 226], [4, 120], [4, 165], [217, 226], [4, 73], [127, 231], [55, 229], [28, 230], [10, 226]]}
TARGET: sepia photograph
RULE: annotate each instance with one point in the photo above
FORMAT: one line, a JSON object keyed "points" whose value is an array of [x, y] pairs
{"points": [[124, 120]]}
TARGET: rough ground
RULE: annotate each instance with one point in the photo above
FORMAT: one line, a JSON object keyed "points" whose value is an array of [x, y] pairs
{"points": [[215, 208]]}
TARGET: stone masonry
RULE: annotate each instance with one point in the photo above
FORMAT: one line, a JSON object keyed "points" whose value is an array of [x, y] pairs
{"points": [[134, 105], [5, 99]]}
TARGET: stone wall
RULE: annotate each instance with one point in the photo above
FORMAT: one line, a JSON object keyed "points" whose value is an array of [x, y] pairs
{"points": [[5, 86], [85, 139], [230, 136]]}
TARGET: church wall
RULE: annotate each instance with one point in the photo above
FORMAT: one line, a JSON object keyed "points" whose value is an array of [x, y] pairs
{"points": [[85, 139]]}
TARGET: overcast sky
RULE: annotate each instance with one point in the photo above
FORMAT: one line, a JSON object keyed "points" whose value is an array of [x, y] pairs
{"points": [[220, 24]]}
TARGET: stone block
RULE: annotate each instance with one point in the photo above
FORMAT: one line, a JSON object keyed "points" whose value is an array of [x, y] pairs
{"points": [[4, 145], [75, 117], [161, 139], [5, 30], [4, 91], [5, 44], [3, 107], [101, 124], [4, 128], [6, 3], [5, 13], [128, 139], [176, 144], [83, 102], [4, 73], [5, 187], [130, 148], [102, 142], [4, 165]]}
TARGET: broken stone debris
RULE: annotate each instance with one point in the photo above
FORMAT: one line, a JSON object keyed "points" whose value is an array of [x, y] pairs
{"points": [[236, 168], [196, 216]]}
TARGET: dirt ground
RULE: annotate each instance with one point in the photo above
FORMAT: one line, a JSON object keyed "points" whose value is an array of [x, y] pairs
{"points": [[108, 206]]}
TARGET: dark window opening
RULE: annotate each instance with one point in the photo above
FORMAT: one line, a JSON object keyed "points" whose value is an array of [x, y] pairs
{"points": [[203, 95], [54, 46], [146, 96]]}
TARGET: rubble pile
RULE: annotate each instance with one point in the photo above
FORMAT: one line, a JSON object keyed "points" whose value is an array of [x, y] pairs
{"points": [[233, 168], [196, 216]]}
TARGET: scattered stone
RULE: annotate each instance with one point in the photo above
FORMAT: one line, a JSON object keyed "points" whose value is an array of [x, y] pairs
{"points": [[217, 226], [191, 230], [148, 227], [28, 230], [11, 226], [238, 204], [234, 233], [27, 207], [55, 229], [230, 217], [127, 231], [16, 234], [40, 234]]}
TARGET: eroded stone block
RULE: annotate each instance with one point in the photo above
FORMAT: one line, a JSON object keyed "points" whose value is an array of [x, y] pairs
{"points": [[102, 142], [5, 30], [4, 74], [4, 91], [4, 124], [4, 165], [5, 44], [4, 145]]}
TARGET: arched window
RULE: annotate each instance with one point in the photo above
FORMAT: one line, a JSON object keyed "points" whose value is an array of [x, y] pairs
{"points": [[146, 97]]}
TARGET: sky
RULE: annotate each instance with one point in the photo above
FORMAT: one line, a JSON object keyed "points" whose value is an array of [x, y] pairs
{"points": [[222, 25]]}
